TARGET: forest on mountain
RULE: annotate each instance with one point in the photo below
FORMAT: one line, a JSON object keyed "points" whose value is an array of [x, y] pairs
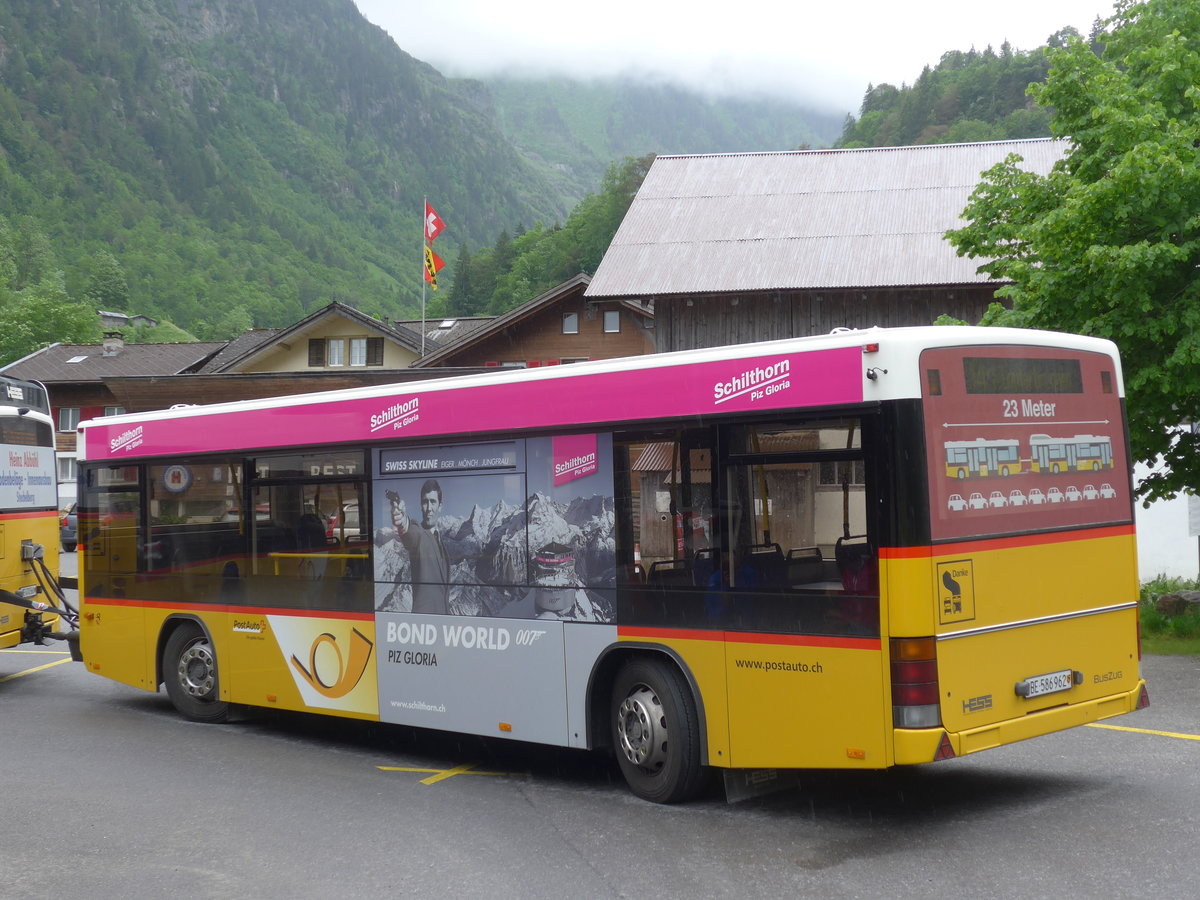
{"points": [[968, 96], [264, 156], [238, 163]]}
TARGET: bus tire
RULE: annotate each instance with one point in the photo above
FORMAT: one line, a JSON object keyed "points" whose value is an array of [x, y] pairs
{"points": [[190, 672], [656, 732]]}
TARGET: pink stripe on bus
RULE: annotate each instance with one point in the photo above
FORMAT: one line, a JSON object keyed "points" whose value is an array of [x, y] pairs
{"points": [[777, 381]]}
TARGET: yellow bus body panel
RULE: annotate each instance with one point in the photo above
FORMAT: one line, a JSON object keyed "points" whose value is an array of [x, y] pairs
{"points": [[811, 703], [703, 656], [784, 701], [280, 659], [40, 528], [113, 640], [1024, 607]]}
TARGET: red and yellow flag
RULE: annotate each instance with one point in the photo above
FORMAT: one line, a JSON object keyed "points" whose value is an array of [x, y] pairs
{"points": [[433, 265]]}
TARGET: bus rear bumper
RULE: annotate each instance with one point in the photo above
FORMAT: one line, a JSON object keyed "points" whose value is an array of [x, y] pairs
{"points": [[915, 746]]}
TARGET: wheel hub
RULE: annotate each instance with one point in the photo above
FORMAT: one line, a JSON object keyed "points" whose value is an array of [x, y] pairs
{"points": [[197, 670], [642, 729]]}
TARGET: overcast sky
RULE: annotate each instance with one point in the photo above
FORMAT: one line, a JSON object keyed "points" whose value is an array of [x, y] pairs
{"points": [[828, 51]]}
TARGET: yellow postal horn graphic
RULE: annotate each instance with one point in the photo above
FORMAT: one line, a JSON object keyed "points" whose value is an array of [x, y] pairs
{"points": [[349, 672]]}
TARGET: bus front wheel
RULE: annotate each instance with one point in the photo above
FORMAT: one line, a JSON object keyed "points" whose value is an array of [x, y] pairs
{"points": [[190, 673], [656, 732]]}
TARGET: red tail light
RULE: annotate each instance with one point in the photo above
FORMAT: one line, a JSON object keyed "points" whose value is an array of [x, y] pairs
{"points": [[916, 696]]}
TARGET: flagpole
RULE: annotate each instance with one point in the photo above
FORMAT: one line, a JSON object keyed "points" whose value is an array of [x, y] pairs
{"points": [[424, 206]]}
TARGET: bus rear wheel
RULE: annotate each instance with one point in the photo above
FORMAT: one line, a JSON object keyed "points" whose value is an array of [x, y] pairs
{"points": [[656, 732], [190, 672]]}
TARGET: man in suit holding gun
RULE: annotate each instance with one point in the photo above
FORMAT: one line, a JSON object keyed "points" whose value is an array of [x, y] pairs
{"points": [[430, 562]]}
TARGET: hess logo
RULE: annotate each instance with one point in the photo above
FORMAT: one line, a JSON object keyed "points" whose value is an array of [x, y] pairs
{"points": [[330, 672]]}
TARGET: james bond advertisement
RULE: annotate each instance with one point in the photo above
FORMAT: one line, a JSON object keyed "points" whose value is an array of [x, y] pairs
{"points": [[514, 529]]}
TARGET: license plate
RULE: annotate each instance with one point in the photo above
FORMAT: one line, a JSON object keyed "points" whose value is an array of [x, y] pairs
{"points": [[1050, 683]]}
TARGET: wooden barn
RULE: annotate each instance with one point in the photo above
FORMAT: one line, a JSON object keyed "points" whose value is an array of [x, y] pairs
{"points": [[740, 247]]}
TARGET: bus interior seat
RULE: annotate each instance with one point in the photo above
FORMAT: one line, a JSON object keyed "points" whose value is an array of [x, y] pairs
{"points": [[669, 573], [704, 565], [310, 532], [767, 563], [805, 565], [856, 564]]}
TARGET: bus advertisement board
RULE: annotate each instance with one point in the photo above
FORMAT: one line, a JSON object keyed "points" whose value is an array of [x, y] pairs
{"points": [[557, 399], [1022, 440], [511, 540]]}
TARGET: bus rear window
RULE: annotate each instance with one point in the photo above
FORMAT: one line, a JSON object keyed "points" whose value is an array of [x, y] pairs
{"points": [[1006, 375], [25, 432]]}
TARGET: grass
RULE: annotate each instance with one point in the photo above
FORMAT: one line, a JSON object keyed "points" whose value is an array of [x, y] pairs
{"points": [[1174, 635]]}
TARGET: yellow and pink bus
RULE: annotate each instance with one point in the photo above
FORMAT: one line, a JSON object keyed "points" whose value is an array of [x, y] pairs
{"points": [[737, 559]]}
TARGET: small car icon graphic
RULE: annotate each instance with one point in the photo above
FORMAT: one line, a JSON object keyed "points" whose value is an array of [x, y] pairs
{"points": [[1054, 495], [957, 502], [1107, 491], [997, 500], [1036, 497], [1090, 492], [977, 501], [1016, 498]]}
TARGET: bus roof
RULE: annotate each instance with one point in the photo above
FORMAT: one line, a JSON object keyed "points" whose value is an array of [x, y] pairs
{"points": [[842, 368]]}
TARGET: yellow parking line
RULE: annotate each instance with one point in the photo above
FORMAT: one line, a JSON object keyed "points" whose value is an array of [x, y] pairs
{"points": [[57, 662], [1170, 734], [437, 775], [42, 652]]}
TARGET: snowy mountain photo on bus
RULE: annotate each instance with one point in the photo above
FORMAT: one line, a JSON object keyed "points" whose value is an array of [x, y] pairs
{"points": [[524, 544]]}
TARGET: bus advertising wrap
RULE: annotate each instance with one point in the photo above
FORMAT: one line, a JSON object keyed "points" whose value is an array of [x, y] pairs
{"points": [[741, 385], [509, 540]]}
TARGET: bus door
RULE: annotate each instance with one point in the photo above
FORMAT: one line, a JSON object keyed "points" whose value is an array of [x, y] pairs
{"points": [[110, 538], [300, 626], [798, 598]]}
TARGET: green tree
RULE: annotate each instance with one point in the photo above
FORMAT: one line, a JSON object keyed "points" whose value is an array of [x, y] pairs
{"points": [[40, 316], [107, 288], [1108, 243]]}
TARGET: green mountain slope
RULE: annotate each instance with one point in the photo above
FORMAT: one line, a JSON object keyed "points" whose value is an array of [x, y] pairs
{"points": [[968, 96], [268, 155], [578, 128]]}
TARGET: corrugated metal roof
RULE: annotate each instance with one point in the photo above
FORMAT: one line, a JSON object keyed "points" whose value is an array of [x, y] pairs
{"points": [[803, 219]]}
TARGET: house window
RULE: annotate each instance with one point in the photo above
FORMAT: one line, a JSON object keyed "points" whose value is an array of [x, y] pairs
{"points": [[68, 418], [852, 471], [335, 352], [612, 321], [67, 469], [114, 410], [570, 323], [364, 351], [316, 352], [375, 351], [567, 360]]}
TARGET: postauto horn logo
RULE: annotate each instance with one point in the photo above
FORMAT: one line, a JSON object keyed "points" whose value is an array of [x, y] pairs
{"points": [[333, 675]]}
